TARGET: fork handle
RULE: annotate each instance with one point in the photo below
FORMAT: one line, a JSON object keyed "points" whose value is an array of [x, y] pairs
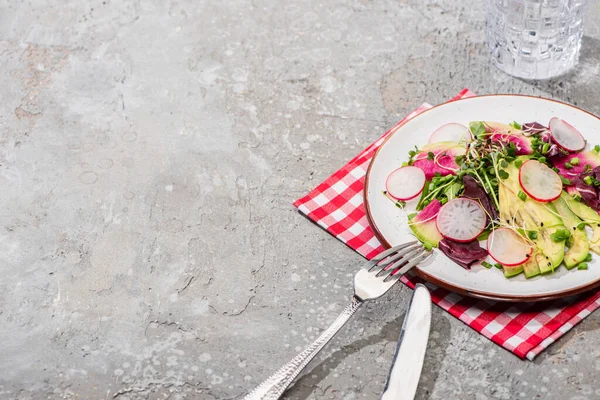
{"points": [[274, 386]]}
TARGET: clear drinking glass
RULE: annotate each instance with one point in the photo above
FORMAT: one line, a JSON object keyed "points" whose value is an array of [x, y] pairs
{"points": [[534, 39]]}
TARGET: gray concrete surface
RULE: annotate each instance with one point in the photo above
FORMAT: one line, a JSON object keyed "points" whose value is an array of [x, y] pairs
{"points": [[149, 155]]}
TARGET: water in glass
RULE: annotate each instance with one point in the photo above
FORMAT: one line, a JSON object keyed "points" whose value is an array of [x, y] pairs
{"points": [[534, 39]]}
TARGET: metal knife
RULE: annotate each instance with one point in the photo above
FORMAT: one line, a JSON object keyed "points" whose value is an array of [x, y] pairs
{"points": [[405, 372]]}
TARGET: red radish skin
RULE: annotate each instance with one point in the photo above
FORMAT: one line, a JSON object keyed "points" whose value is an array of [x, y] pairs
{"points": [[540, 182], [461, 220], [565, 135], [452, 132], [508, 248], [405, 183]]}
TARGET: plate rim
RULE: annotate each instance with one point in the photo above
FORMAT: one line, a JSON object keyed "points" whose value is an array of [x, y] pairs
{"points": [[447, 285]]}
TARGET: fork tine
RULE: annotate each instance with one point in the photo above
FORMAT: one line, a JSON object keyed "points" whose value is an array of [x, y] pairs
{"points": [[401, 258], [391, 250], [400, 250], [408, 266]]}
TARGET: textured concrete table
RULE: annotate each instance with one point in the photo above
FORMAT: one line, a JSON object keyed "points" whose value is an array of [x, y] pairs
{"points": [[149, 155]]}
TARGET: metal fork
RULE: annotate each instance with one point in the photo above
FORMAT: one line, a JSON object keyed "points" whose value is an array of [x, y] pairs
{"points": [[371, 282]]}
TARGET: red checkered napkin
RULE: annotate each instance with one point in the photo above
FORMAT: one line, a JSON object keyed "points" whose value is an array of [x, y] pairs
{"points": [[524, 329]]}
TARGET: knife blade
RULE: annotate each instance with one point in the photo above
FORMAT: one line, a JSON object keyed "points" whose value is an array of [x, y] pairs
{"points": [[405, 371]]}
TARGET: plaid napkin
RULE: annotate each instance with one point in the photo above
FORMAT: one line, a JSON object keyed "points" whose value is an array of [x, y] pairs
{"points": [[523, 328]]}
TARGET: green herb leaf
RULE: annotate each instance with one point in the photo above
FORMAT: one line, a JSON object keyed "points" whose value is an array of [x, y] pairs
{"points": [[484, 235], [582, 266], [499, 266], [597, 148], [566, 181], [421, 204], [430, 155], [560, 235], [518, 163], [503, 164], [522, 195], [515, 125], [568, 165], [545, 148], [511, 149], [532, 235], [588, 258], [581, 225], [486, 264], [477, 129], [503, 174]]}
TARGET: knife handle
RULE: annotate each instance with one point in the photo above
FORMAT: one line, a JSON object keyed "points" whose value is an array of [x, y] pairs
{"points": [[274, 386]]}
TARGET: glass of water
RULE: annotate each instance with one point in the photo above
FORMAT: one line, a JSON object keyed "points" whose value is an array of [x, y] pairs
{"points": [[534, 39]]}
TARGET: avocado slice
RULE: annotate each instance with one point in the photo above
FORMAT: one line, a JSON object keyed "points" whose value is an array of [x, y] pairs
{"points": [[426, 232], [531, 268], [541, 218], [578, 243], [588, 216], [514, 270], [509, 203], [552, 253], [424, 226]]}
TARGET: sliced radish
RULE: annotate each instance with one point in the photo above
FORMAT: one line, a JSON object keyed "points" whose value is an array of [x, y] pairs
{"points": [[565, 135], [461, 220], [405, 183], [540, 182], [452, 132], [507, 247]]}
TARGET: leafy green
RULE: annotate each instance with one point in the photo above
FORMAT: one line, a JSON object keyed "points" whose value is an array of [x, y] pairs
{"points": [[545, 148], [518, 163], [477, 129], [566, 181], [560, 235], [516, 125]]}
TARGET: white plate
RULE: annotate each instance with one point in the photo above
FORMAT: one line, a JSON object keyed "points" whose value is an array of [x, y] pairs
{"points": [[390, 223]]}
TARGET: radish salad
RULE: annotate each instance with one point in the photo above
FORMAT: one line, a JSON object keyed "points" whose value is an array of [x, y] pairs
{"points": [[521, 197]]}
